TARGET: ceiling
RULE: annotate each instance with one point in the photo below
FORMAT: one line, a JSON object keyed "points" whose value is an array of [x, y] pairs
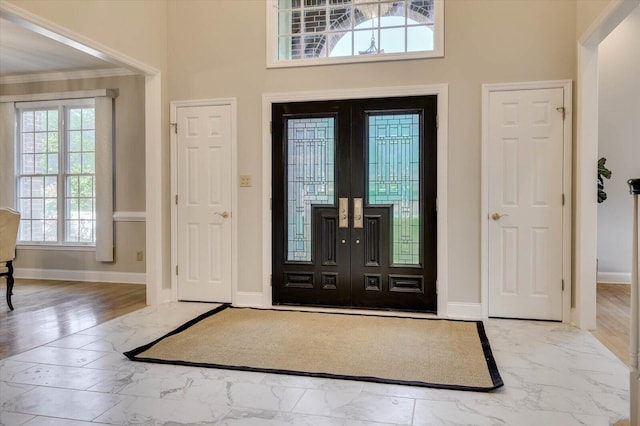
{"points": [[25, 52]]}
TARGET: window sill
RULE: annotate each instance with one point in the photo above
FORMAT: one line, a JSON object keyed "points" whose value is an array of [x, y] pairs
{"points": [[54, 247]]}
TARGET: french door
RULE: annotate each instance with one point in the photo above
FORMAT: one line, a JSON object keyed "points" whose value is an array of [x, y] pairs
{"points": [[354, 203]]}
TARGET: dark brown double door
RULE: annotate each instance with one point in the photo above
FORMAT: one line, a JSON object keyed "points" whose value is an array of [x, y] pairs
{"points": [[354, 203]]}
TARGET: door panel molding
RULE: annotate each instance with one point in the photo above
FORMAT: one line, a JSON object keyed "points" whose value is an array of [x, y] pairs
{"points": [[487, 89], [238, 298], [440, 90]]}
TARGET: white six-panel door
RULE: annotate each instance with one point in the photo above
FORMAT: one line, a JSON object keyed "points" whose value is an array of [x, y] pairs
{"points": [[204, 213], [525, 203]]}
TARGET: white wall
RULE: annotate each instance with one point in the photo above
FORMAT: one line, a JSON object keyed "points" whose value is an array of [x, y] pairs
{"points": [[619, 142]]}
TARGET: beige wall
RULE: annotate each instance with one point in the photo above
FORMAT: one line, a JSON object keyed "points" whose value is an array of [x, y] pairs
{"points": [[129, 176], [214, 54], [136, 28], [587, 11], [217, 49]]}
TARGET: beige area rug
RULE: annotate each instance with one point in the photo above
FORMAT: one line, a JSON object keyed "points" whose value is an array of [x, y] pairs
{"points": [[410, 351]]}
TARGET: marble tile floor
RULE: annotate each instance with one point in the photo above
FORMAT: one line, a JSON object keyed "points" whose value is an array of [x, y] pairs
{"points": [[554, 374]]}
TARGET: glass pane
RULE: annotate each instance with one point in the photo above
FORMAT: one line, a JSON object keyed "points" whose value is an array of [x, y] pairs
{"points": [[75, 119], [88, 163], [89, 140], [40, 122], [37, 208], [28, 164], [51, 187], [310, 178], [392, 14], [75, 141], [394, 178], [88, 118], [52, 120], [52, 142], [25, 230], [392, 40], [37, 230], [51, 230], [27, 121], [419, 38], [37, 187], [41, 142], [27, 142], [75, 163], [420, 11]]}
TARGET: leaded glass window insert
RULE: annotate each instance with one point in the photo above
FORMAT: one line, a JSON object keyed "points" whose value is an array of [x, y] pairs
{"points": [[394, 179], [308, 32], [310, 178]]}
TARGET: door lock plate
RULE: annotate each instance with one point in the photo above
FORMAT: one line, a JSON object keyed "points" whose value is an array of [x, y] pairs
{"points": [[343, 213], [357, 213]]}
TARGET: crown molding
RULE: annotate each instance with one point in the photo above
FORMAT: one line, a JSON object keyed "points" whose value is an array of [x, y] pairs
{"points": [[66, 75]]}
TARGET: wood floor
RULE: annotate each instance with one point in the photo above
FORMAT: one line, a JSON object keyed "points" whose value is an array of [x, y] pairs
{"points": [[48, 310], [613, 316]]}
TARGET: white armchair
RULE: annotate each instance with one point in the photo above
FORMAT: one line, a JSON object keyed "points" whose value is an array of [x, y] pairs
{"points": [[9, 222]]}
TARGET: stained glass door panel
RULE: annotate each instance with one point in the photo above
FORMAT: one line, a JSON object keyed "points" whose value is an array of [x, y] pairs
{"points": [[354, 203]]}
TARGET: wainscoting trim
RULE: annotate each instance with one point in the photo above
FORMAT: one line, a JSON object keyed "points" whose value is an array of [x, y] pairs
{"points": [[88, 276], [130, 216], [458, 310], [249, 299]]}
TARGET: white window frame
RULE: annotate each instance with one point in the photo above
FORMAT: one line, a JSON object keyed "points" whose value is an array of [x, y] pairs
{"points": [[63, 107], [272, 44], [105, 107]]}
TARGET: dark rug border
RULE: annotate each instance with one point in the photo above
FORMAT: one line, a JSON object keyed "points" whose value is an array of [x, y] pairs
{"points": [[488, 355]]}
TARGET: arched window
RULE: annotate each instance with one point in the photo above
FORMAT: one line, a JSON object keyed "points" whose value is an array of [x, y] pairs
{"points": [[313, 32]]}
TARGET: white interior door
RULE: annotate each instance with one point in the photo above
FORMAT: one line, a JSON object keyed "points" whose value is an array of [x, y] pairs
{"points": [[525, 203], [204, 203]]}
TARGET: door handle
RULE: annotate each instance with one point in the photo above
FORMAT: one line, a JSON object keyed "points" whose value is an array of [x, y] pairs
{"points": [[357, 212], [498, 216], [343, 213], [223, 215]]}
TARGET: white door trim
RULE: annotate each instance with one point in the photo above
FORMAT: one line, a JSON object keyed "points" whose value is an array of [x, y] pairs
{"points": [[441, 90], [566, 185], [586, 250], [231, 102]]}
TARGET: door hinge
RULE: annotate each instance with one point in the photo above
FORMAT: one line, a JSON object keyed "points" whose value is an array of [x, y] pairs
{"points": [[563, 111], [563, 199], [175, 127], [271, 127], [562, 285], [176, 269], [270, 203], [176, 198], [270, 279], [437, 121]]}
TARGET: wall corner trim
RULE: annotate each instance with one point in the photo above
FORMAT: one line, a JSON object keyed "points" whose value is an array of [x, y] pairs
{"points": [[460, 310], [248, 299]]}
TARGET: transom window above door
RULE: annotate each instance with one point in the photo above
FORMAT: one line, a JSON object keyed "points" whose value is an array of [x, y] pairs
{"points": [[316, 32]]}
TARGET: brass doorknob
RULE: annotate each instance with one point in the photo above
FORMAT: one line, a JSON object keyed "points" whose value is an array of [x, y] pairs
{"points": [[224, 215], [498, 216]]}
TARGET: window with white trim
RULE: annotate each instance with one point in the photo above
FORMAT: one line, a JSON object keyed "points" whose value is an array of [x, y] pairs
{"points": [[56, 172], [314, 32]]}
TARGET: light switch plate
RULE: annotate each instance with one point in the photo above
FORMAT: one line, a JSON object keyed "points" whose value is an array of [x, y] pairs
{"points": [[245, 181]]}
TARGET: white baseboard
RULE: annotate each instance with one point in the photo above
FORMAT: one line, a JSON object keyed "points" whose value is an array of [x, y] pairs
{"points": [[90, 276], [614, 277], [248, 299], [458, 310]]}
